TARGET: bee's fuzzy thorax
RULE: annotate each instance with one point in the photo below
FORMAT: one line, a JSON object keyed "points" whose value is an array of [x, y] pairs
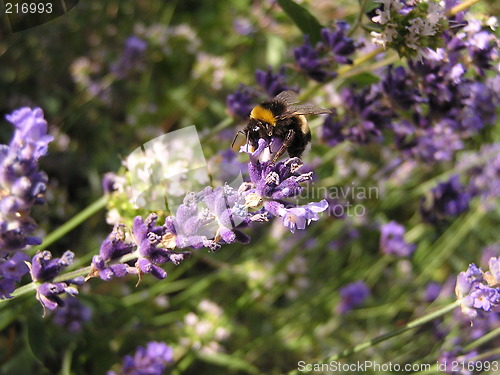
{"points": [[263, 114]]}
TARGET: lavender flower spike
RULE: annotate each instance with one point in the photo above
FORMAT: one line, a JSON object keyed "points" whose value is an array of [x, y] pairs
{"points": [[152, 360], [22, 185], [478, 291], [352, 295], [392, 241], [44, 269]]}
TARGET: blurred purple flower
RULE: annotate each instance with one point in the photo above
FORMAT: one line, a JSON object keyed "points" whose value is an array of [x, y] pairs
{"points": [[72, 315], [310, 63], [332, 129], [400, 88], [485, 179], [132, 57], [447, 200], [352, 295], [449, 360], [272, 83], [240, 104], [152, 360], [338, 43], [243, 26], [432, 291], [365, 117], [392, 240]]}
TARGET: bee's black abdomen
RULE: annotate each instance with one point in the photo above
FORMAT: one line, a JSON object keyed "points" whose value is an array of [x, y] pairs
{"points": [[300, 139]]}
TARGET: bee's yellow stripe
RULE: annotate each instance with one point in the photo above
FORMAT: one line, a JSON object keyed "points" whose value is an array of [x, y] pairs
{"points": [[263, 114]]}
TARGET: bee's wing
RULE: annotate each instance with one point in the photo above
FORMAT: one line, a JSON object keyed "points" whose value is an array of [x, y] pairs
{"points": [[290, 97], [306, 109], [287, 97]]}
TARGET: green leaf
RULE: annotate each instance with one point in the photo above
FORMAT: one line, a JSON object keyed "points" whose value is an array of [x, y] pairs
{"points": [[305, 21]]}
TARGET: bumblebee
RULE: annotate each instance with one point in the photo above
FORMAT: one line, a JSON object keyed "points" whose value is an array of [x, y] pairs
{"points": [[281, 118]]}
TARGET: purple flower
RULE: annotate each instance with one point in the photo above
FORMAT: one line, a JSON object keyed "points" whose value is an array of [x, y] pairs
{"points": [[432, 291], [108, 271], [49, 294], [272, 183], [485, 179], [132, 57], [332, 129], [152, 360], [483, 50], [478, 291], [484, 297], [301, 216], [392, 240], [493, 276], [243, 26], [209, 218], [338, 43], [448, 199], [22, 184], [280, 180], [72, 315], [310, 63], [44, 269], [451, 358], [365, 117], [12, 268], [30, 139], [108, 182], [272, 83], [399, 86], [240, 104], [352, 295], [116, 244]]}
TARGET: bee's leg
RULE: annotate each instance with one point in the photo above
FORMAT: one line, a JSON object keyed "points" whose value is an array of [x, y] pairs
{"points": [[288, 141]]}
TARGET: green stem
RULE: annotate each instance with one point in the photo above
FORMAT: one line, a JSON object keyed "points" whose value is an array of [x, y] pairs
{"points": [[72, 223], [31, 287], [411, 325], [461, 7], [361, 13], [480, 341]]}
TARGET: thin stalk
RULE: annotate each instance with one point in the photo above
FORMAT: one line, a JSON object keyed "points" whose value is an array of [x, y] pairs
{"points": [[361, 13], [409, 326], [480, 341], [31, 287], [72, 223], [461, 7]]}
